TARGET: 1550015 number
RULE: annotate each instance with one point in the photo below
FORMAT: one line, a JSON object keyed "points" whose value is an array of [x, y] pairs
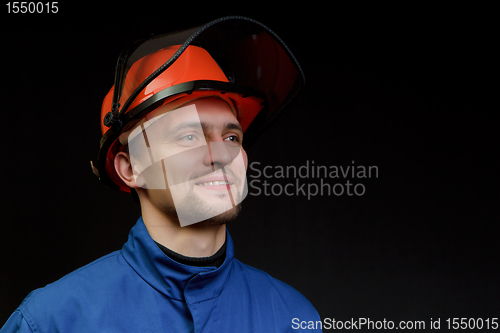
{"points": [[32, 7], [472, 323]]}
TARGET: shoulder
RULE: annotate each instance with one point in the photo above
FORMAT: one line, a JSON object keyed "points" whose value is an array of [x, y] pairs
{"points": [[86, 276], [76, 289], [274, 290]]}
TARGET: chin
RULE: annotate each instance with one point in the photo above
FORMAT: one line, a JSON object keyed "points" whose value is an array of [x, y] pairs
{"points": [[222, 218], [206, 218], [197, 209]]}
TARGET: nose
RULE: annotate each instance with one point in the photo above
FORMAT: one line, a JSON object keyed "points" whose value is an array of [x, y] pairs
{"points": [[220, 154]]}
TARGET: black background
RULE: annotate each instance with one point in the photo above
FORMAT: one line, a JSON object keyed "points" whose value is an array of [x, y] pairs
{"points": [[410, 89]]}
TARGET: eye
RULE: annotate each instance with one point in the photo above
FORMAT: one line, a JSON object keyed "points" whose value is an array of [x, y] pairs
{"points": [[232, 138], [189, 137], [188, 140]]}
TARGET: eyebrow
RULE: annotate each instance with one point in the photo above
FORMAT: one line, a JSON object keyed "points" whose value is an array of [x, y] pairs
{"points": [[206, 127], [232, 126], [193, 124]]}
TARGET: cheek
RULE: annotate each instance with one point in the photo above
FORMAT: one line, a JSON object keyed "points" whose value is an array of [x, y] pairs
{"points": [[161, 198], [185, 165], [245, 158], [239, 164]]}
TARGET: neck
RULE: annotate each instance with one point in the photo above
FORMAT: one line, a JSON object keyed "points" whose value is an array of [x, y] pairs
{"points": [[196, 240]]}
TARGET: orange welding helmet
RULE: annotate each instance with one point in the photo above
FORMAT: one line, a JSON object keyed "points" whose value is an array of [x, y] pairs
{"points": [[235, 58]]}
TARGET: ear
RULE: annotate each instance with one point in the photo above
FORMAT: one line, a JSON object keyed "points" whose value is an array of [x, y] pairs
{"points": [[123, 167]]}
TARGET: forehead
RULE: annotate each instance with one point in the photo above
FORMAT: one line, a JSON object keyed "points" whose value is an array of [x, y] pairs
{"points": [[211, 111], [212, 105]]}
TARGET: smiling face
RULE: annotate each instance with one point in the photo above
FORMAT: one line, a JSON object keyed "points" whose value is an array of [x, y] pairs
{"points": [[190, 161]]}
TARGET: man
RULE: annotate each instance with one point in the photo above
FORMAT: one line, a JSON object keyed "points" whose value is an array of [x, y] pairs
{"points": [[173, 127]]}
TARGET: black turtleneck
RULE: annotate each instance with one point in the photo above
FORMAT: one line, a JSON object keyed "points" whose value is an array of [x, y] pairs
{"points": [[213, 261]]}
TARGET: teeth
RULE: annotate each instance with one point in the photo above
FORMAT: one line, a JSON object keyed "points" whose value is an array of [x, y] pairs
{"points": [[213, 183]]}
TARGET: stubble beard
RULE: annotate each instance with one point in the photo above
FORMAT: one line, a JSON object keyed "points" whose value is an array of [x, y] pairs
{"points": [[194, 208]]}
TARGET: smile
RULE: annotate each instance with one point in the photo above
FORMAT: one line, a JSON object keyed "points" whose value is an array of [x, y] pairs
{"points": [[213, 183]]}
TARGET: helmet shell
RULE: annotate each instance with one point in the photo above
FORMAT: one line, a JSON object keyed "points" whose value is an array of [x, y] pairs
{"points": [[194, 64]]}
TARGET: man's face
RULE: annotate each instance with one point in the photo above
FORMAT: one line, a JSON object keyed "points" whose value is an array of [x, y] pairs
{"points": [[191, 161]]}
